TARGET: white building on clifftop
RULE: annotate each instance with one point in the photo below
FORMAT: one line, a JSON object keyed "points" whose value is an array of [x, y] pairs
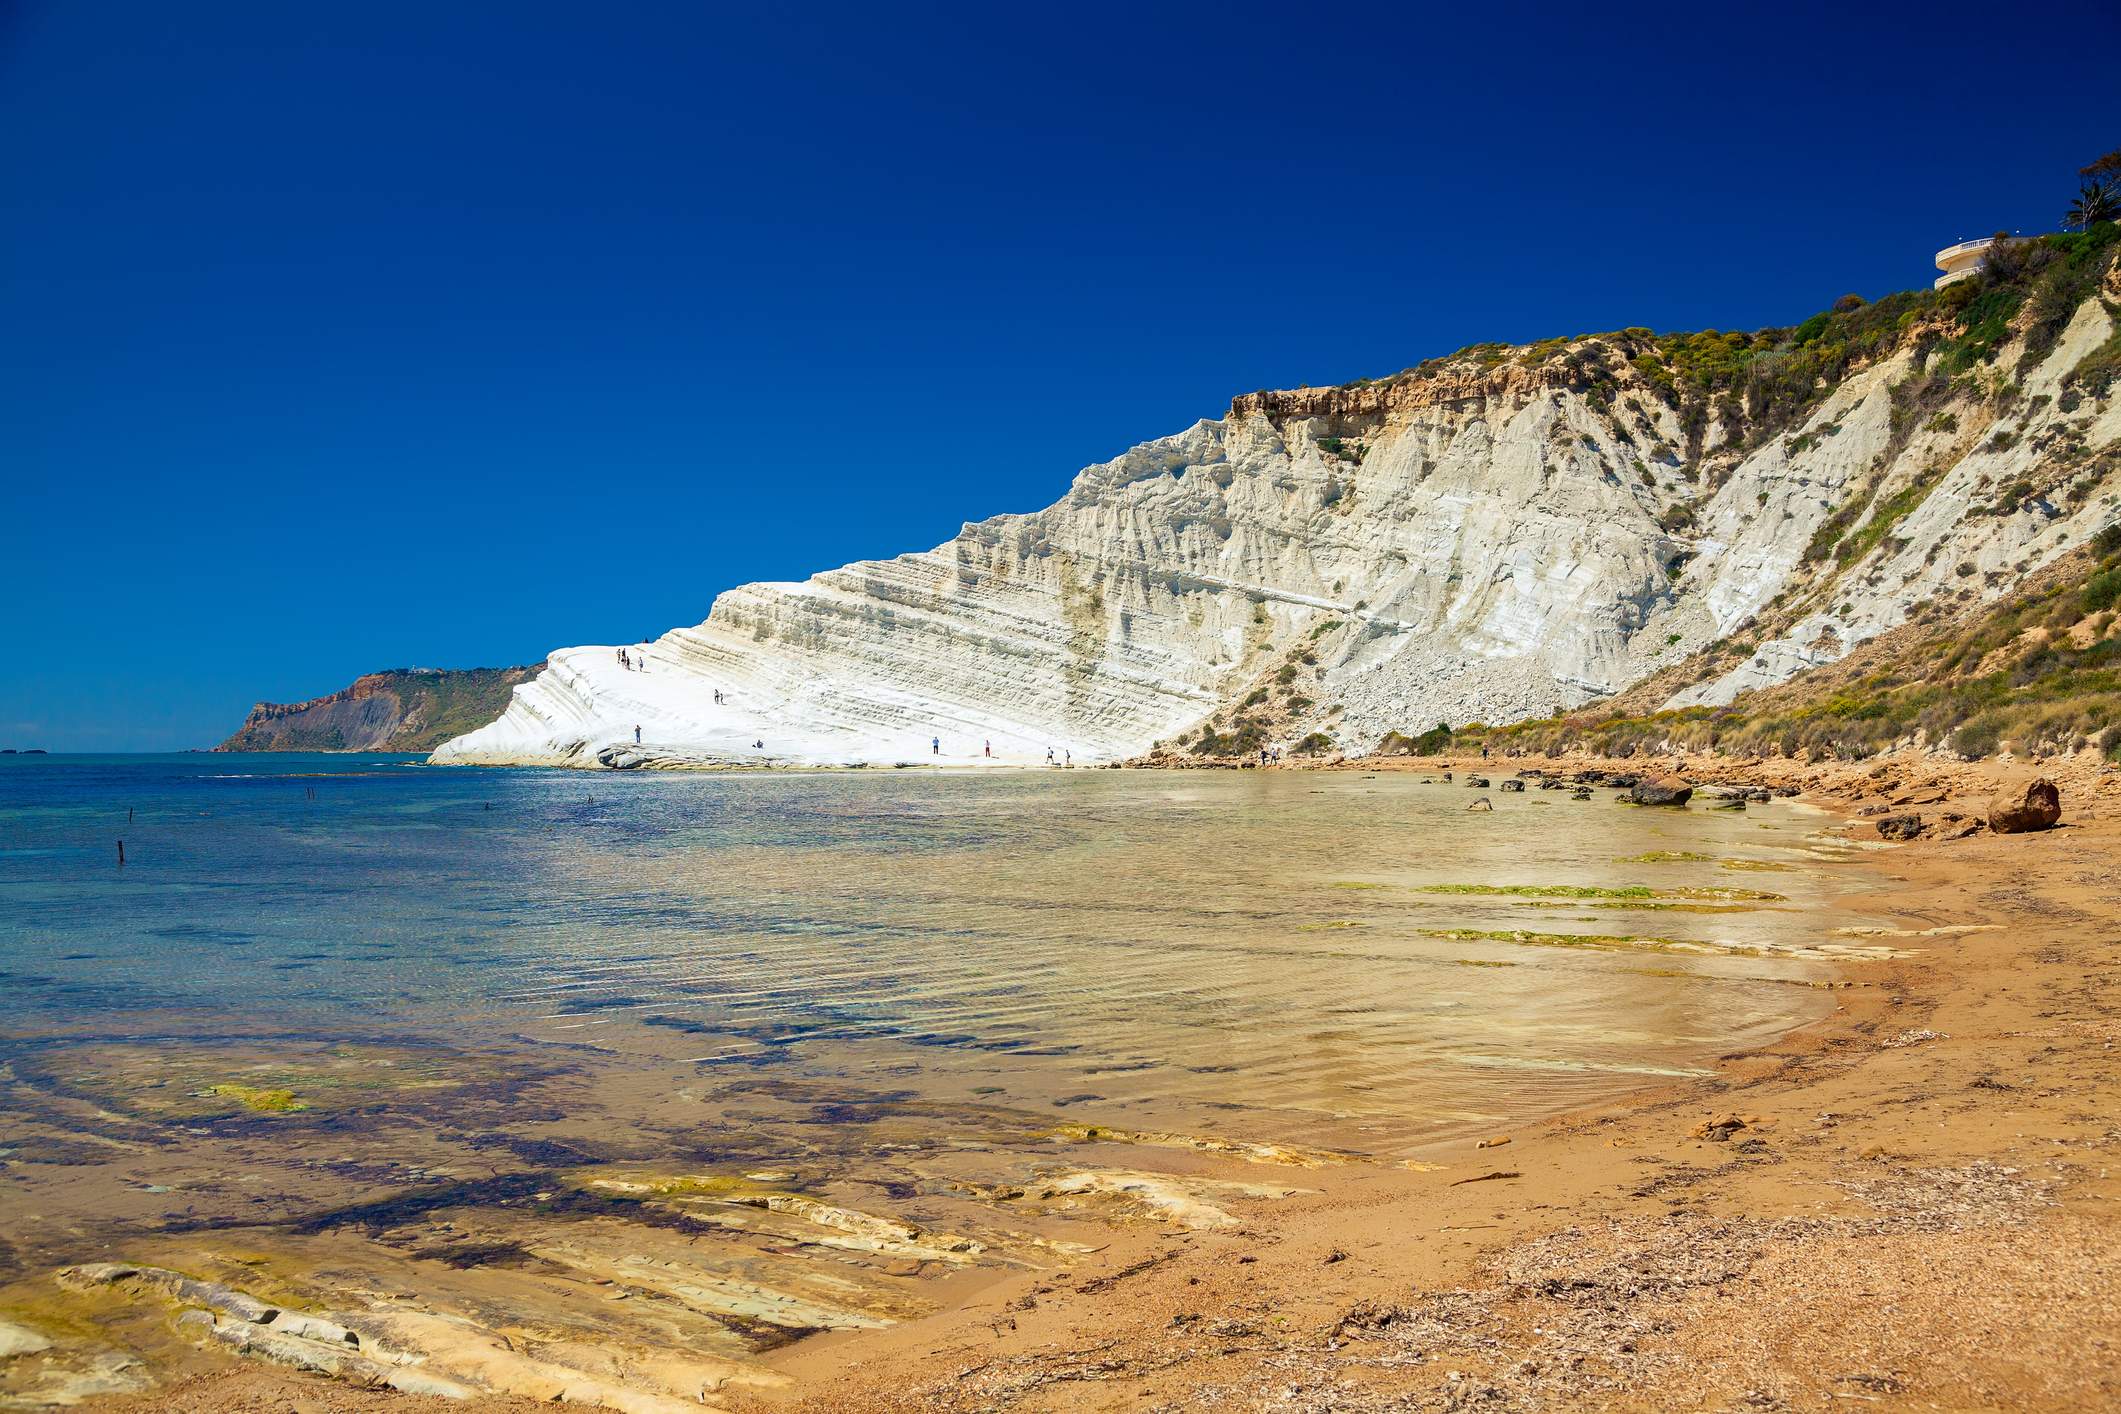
{"points": [[1966, 259]]}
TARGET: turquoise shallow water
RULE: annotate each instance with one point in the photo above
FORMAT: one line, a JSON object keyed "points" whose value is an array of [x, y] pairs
{"points": [[1190, 944]]}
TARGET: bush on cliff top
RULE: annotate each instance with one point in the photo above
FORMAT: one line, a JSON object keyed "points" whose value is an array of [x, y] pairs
{"points": [[1767, 379]]}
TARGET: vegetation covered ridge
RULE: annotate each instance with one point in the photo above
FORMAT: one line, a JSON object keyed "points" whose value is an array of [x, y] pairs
{"points": [[1754, 384]]}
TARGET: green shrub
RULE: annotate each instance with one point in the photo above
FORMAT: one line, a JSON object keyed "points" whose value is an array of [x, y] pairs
{"points": [[2103, 588], [1977, 738], [1242, 739]]}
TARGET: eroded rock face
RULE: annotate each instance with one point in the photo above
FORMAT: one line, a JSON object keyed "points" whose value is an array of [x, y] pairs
{"points": [[2031, 805], [1480, 542], [403, 709]]}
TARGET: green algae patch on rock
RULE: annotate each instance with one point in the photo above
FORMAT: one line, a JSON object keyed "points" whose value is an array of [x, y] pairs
{"points": [[1666, 856], [1328, 926], [250, 1097], [1763, 866], [184, 1081]]}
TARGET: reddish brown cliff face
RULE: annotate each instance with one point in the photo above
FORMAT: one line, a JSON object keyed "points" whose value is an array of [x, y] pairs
{"points": [[403, 709]]}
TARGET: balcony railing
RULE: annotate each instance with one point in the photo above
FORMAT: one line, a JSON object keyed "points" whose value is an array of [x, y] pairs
{"points": [[1953, 251]]}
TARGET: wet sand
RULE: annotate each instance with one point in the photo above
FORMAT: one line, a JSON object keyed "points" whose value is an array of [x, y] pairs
{"points": [[1908, 1205], [1905, 1204]]}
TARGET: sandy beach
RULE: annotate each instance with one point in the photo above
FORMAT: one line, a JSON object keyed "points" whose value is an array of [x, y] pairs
{"points": [[1909, 1205]]}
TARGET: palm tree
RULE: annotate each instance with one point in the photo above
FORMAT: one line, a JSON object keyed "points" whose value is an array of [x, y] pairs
{"points": [[2096, 201]]}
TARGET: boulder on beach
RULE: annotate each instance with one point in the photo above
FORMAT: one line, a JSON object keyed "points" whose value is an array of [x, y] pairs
{"points": [[1900, 827], [1476, 782], [1513, 785], [1659, 790], [1481, 804], [2026, 805]]}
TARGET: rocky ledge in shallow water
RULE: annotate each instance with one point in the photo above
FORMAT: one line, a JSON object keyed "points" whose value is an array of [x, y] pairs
{"points": [[366, 1213]]}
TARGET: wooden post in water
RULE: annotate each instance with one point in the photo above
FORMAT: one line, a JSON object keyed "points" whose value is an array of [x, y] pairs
{"points": [[121, 851]]}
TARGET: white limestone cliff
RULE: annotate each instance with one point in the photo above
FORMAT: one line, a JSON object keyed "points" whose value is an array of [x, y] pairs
{"points": [[1487, 539]]}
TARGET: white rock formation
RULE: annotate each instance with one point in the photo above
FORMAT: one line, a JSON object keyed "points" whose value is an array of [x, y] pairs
{"points": [[1480, 542]]}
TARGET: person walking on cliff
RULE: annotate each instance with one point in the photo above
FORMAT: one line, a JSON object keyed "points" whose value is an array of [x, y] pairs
{"points": [[636, 733], [935, 744]]}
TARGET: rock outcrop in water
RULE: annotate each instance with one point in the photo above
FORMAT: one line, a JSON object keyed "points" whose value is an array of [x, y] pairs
{"points": [[403, 709], [1506, 533]]}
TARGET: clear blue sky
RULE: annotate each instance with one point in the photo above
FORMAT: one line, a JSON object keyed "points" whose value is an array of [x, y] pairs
{"points": [[349, 336]]}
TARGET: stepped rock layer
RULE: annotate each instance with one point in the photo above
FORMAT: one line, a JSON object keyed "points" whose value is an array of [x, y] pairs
{"points": [[1508, 533], [402, 709]]}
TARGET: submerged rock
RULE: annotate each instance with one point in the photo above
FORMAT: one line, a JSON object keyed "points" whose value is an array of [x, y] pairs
{"points": [[1513, 785], [20, 1340], [2021, 807], [1481, 804], [1186, 1201]]}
